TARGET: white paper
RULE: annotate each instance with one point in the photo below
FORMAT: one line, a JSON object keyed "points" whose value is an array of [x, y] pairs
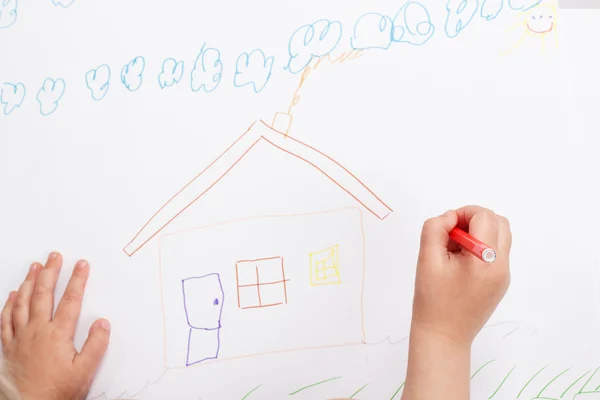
{"points": [[178, 145]]}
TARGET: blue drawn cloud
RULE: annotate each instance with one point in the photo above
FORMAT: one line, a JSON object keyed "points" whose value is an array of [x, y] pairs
{"points": [[372, 31], [459, 14], [491, 9], [313, 40], [12, 96], [63, 3], [523, 5], [50, 94], [171, 74], [253, 69], [98, 81], [8, 13], [132, 74], [206, 74], [412, 24]]}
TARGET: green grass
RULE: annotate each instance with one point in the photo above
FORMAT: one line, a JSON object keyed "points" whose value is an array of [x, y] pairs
{"points": [[536, 387]]}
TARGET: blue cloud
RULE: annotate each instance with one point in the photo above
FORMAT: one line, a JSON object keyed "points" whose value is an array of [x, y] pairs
{"points": [[412, 24], [12, 96], [171, 74], [253, 69], [491, 9], [523, 5], [372, 31], [63, 3], [313, 40], [8, 13], [98, 81], [459, 14], [132, 74], [50, 94], [206, 74]]}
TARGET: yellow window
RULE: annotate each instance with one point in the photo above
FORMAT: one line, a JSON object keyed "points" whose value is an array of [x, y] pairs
{"points": [[324, 267]]}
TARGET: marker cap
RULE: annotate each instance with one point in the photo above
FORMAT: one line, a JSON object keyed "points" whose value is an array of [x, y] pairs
{"points": [[488, 256]]}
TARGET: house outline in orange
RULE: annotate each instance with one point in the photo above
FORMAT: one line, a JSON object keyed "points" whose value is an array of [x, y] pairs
{"points": [[209, 177]]}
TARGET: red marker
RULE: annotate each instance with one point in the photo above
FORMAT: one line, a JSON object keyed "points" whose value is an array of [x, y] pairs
{"points": [[480, 250]]}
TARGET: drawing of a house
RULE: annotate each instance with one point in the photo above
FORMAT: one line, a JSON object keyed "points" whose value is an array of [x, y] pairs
{"points": [[261, 285]]}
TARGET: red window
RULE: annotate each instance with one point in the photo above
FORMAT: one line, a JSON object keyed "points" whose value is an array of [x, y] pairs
{"points": [[261, 283]]}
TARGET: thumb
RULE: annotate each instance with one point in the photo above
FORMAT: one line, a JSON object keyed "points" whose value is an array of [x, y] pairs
{"points": [[436, 233], [95, 346]]}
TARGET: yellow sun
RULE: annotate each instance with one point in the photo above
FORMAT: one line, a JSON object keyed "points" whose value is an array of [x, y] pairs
{"points": [[538, 25]]}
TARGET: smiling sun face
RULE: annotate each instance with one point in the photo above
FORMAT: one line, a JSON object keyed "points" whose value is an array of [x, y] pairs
{"points": [[537, 27], [541, 20]]}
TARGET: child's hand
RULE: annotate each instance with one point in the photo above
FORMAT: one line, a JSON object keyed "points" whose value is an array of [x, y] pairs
{"points": [[38, 348], [455, 292], [455, 295]]}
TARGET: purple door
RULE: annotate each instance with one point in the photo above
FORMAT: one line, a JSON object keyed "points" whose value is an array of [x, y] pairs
{"points": [[203, 303]]}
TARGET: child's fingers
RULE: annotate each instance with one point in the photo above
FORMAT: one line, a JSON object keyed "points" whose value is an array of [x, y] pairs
{"points": [[42, 302], [69, 308], [94, 347], [504, 237], [22, 305], [466, 213], [436, 232], [482, 224], [7, 330]]}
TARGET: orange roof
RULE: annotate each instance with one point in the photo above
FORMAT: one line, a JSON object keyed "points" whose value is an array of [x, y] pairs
{"points": [[218, 169]]}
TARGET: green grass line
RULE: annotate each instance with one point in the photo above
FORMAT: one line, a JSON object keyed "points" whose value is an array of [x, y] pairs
{"points": [[503, 381], [588, 381], [482, 367], [358, 391], [250, 392], [574, 383], [529, 381], [397, 391], [552, 381], [314, 384]]}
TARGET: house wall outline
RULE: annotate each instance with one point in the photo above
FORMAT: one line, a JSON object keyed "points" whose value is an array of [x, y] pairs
{"points": [[161, 271]]}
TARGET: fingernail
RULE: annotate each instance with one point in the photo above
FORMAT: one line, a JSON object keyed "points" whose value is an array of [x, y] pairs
{"points": [[447, 213], [81, 264], [52, 256], [105, 325], [33, 267]]}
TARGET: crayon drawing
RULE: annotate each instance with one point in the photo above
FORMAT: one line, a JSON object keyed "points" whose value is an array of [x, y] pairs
{"points": [[324, 267], [203, 300], [270, 291], [258, 133], [254, 292], [276, 279], [536, 27], [282, 121]]}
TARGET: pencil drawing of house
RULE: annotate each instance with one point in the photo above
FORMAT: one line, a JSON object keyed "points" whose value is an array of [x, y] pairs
{"points": [[266, 284]]}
